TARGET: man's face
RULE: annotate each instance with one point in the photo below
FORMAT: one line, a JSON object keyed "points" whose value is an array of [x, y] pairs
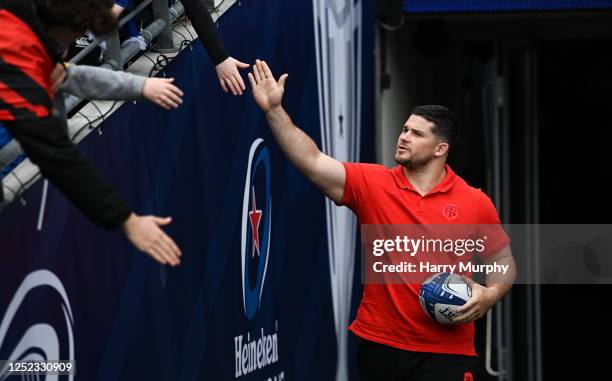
{"points": [[417, 145]]}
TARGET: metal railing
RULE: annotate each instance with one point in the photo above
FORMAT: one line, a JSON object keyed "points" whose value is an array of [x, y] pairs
{"points": [[115, 56]]}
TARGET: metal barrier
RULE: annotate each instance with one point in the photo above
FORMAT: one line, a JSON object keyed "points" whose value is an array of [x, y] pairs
{"points": [[115, 57]]}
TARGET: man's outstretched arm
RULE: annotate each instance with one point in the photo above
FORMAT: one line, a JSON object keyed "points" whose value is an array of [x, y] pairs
{"points": [[324, 171]]}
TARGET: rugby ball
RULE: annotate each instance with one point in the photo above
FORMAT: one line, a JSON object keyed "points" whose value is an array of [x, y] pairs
{"points": [[441, 294]]}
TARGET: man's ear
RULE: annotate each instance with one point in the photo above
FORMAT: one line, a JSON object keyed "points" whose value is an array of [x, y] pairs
{"points": [[441, 149]]}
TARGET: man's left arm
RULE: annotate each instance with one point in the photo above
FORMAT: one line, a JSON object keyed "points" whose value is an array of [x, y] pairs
{"points": [[498, 283]]}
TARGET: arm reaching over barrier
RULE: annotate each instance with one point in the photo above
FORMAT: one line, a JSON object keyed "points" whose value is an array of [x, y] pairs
{"points": [[27, 93], [324, 171], [46, 143], [226, 66], [90, 82]]}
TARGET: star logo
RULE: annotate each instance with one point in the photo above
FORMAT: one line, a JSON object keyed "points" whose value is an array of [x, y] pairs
{"points": [[256, 227], [255, 218]]}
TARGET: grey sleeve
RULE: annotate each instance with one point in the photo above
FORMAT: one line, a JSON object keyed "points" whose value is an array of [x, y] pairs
{"points": [[90, 82]]}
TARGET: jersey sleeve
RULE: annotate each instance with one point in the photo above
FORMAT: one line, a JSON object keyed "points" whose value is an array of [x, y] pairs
{"points": [[354, 186], [490, 227]]}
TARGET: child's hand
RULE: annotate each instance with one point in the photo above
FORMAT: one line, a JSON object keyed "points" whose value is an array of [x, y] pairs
{"points": [[162, 92], [229, 77]]}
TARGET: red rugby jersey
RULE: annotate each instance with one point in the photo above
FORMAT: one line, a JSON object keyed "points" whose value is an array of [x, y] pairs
{"points": [[391, 314]]}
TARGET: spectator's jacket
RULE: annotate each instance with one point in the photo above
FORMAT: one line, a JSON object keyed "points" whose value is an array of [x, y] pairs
{"points": [[205, 28], [92, 82], [27, 57]]}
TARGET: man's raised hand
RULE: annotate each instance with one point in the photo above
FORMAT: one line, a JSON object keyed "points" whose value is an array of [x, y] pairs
{"points": [[267, 92]]}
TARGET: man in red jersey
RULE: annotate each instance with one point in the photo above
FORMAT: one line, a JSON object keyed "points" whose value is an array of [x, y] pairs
{"points": [[33, 37], [400, 342]]}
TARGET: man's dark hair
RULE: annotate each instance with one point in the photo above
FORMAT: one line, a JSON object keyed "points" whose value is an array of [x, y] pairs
{"points": [[442, 118], [79, 15]]}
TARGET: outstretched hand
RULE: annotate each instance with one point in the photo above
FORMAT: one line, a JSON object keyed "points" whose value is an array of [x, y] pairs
{"points": [[229, 77], [162, 92], [267, 92], [145, 233]]}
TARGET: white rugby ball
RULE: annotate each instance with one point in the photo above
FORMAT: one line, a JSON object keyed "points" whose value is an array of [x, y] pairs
{"points": [[441, 294]]}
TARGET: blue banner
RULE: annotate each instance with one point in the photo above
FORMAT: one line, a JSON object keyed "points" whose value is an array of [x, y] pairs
{"points": [[251, 299], [434, 6]]}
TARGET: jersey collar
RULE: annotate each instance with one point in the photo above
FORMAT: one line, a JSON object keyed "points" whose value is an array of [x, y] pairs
{"points": [[443, 186]]}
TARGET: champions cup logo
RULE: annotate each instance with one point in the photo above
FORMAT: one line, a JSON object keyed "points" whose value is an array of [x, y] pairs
{"points": [[256, 223], [256, 350], [40, 341]]}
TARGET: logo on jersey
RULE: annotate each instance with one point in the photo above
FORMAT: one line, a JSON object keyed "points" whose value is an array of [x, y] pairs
{"points": [[256, 222], [467, 376], [450, 211]]}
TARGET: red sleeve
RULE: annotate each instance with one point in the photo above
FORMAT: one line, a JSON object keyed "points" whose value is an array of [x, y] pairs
{"points": [[490, 226], [353, 186], [25, 69]]}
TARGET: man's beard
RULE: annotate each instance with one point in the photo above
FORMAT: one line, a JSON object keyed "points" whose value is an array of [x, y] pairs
{"points": [[413, 163]]}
